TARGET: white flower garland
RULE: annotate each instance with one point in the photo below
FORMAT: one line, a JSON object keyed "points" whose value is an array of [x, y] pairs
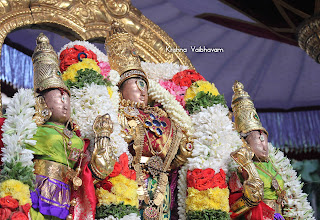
{"points": [[19, 128], [298, 206], [91, 101], [100, 56], [214, 139], [164, 71], [132, 216], [182, 192], [171, 105]]}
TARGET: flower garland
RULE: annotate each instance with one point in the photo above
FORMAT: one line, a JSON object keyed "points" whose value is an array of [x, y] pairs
{"points": [[118, 192], [163, 71], [175, 90], [298, 206], [171, 105], [132, 216], [182, 192], [214, 139], [91, 101], [17, 173], [100, 56], [16, 190], [19, 129]]}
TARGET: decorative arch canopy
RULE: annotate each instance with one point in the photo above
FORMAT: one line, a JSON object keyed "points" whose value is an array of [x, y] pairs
{"points": [[90, 20]]}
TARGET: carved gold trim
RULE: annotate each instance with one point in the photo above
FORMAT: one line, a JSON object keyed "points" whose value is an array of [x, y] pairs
{"points": [[91, 19]]}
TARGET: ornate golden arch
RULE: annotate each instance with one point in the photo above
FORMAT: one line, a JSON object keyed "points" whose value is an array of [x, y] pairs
{"points": [[90, 19]]}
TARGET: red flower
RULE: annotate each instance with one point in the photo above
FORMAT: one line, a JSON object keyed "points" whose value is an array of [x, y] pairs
{"points": [[186, 78], [122, 167], [220, 180], [70, 56], [26, 208], [106, 185], [9, 202], [206, 179], [19, 216], [4, 213]]}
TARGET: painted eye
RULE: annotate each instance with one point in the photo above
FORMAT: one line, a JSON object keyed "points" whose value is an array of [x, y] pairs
{"points": [[63, 98], [141, 84]]}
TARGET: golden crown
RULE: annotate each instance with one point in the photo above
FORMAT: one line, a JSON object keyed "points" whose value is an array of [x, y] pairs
{"points": [[245, 116], [46, 73], [122, 54]]}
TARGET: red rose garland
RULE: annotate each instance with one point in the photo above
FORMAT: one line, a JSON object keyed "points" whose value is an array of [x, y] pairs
{"points": [[70, 56], [206, 179], [186, 78], [10, 209]]}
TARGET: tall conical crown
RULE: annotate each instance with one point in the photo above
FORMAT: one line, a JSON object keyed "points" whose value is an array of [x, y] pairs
{"points": [[245, 116], [122, 54], [46, 73]]}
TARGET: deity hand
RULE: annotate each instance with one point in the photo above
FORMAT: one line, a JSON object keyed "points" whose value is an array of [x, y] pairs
{"points": [[103, 126], [253, 190], [103, 159], [184, 152]]}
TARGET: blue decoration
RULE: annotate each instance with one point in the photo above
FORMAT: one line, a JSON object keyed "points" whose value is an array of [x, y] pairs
{"points": [[81, 53]]}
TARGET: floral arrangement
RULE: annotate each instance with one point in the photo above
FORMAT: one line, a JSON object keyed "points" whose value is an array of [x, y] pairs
{"points": [[186, 78], [202, 94], [16, 176], [206, 194], [93, 93], [12, 210], [298, 206], [161, 71], [19, 129], [175, 90], [117, 194]]}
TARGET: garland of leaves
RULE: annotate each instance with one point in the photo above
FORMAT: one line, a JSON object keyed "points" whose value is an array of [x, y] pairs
{"points": [[117, 211]]}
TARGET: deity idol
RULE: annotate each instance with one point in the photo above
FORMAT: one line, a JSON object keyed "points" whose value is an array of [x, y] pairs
{"points": [[62, 171], [157, 143], [262, 194]]}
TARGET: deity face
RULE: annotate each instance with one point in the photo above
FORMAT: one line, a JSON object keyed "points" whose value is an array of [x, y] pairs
{"points": [[59, 104], [135, 89], [259, 145]]}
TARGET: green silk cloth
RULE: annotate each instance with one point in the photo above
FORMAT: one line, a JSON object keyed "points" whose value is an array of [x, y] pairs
{"points": [[269, 191], [50, 144]]}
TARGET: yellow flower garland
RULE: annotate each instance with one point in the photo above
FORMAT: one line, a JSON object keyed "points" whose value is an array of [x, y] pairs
{"points": [[213, 198], [199, 86], [123, 190], [16, 189], [71, 71]]}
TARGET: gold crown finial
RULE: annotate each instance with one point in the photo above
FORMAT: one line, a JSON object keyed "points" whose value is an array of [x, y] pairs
{"points": [[246, 118], [46, 74], [122, 54]]}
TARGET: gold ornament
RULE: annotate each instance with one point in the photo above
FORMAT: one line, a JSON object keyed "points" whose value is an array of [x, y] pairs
{"points": [[46, 66], [245, 116], [122, 54], [43, 113]]}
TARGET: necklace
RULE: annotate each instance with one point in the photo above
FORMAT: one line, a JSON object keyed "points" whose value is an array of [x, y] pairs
{"points": [[74, 154], [156, 166]]}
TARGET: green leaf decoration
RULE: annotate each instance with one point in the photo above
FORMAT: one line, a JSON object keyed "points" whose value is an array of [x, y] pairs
{"points": [[14, 170], [205, 100], [208, 214], [87, 76], [118, 211]]}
